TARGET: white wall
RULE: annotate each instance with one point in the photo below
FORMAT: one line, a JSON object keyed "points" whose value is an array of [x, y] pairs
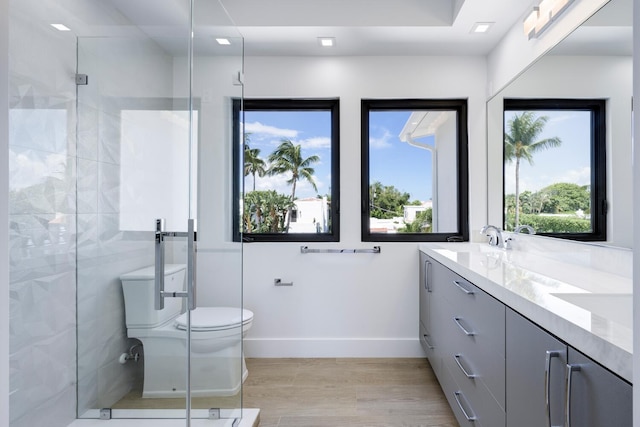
{"points": [[607, 78], [515, 53], [352, 304]]}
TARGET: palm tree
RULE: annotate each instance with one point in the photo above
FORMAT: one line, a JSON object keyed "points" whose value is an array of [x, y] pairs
{"points": [[253, 164], [521, 143], [287, 158]]}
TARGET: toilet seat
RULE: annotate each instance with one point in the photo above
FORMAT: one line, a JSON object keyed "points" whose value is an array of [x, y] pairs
{"points": [[214, 319]]}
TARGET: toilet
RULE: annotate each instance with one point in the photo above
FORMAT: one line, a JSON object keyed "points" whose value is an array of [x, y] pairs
{"points": [[217, 361]]}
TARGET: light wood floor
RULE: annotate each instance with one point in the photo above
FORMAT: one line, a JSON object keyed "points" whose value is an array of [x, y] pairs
{"points": [[335, 393], [346, 392]]}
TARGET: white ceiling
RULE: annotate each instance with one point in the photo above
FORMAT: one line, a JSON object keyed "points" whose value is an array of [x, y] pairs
{"points": [[373, 27], [292, 27]]}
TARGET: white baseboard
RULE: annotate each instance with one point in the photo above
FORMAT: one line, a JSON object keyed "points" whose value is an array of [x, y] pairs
{"points": [[332, 347]]}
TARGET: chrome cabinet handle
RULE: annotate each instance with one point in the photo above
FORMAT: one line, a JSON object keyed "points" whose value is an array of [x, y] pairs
{"points": [[462, 328], [456, 395], [427, 273], [426, 341], [463, 289], [567, 409], [457, 358], [159, 265], [547, 382]]}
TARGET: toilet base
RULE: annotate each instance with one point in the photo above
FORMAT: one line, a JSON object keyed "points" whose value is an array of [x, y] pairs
{"points": [[217, 392], [220, 373]]}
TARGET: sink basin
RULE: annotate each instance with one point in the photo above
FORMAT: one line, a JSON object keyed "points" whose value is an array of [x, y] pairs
{"points": [[617, 308]]}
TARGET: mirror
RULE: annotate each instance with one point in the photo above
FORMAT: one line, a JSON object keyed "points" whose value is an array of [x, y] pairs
{"points": [[593, 62]]}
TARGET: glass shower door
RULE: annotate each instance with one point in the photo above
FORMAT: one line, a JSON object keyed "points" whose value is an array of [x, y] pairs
{"points": [[154, 140]]}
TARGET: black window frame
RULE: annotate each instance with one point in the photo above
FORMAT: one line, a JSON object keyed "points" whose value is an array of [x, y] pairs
{"points": [[460, 107], [331, 105], [598, 144]]}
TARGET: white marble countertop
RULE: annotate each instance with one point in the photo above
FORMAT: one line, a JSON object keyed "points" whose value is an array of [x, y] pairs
{"points": [[579, 292]]}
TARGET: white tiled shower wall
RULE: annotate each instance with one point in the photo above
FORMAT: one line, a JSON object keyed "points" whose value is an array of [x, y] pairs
{"points": [[58, 230]]}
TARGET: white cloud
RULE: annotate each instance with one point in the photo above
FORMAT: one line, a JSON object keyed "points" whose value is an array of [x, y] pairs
{"points": [[280, 185], [315, 142], [536, 182], [259, 129], [577, 176], [382, 141]]}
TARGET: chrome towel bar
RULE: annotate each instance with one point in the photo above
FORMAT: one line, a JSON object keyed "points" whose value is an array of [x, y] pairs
{"points": [[306, 250]]}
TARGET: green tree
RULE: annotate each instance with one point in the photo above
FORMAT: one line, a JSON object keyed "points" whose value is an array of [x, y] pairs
{"points": [[421, 224], [521, 142], [386, 201], [287, 158], [253, 164], [566, 197]]}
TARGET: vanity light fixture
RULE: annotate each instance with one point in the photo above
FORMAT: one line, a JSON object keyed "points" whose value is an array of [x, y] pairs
{"points": [[327, 41], [223, 42], [61, 27], [481, 27], [543, 15]]}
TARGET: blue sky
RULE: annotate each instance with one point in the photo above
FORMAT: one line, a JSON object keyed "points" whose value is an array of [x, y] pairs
{"points": [[310, 129], [570, 162], [392, 162]]}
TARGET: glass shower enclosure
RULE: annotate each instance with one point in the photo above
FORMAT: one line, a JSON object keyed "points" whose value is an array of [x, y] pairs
{"points": [[154, 141]]}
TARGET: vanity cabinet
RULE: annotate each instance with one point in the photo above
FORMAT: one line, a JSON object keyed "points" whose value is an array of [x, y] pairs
{"points": [[498, 368], [465, 334], [544, 375]]}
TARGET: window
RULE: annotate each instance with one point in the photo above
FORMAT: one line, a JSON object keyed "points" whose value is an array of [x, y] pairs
{"points": [[554, 167], [286, 160], [414, 170]]}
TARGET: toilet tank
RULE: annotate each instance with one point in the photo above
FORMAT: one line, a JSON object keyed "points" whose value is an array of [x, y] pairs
{"points": [[138, 288]]}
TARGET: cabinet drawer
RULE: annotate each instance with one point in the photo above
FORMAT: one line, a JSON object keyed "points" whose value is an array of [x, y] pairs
{"points": [[488, 411], [477, 355], [426, 340], [479, 313], [458, 402]]}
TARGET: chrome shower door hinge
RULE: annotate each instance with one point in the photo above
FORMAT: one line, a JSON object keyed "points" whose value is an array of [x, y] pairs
{"points": [[214, 413], [105, 413], [82, 79]]}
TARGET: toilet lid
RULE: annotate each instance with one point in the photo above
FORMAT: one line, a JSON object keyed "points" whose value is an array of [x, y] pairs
{"points": [[214, 318]]}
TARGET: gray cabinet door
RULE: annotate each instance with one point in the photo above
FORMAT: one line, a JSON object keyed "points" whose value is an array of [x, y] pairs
{"points": [[528, 370], [598, 398]]}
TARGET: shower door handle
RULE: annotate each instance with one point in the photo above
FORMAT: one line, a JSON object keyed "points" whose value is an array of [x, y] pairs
{"points": [[191, 264], [191, 236], [159, 265]]}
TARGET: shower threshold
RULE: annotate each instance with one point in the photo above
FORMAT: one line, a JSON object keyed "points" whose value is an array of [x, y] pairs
{"points": [[164, 418]]}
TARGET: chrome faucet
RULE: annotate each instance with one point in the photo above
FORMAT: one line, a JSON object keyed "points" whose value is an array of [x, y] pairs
{"points": [[530, 229], [496, 238]]}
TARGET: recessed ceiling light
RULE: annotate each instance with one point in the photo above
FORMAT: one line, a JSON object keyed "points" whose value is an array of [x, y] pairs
{"points": [[223, 42], [327, 41], [481, 27], [60, 27]]}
